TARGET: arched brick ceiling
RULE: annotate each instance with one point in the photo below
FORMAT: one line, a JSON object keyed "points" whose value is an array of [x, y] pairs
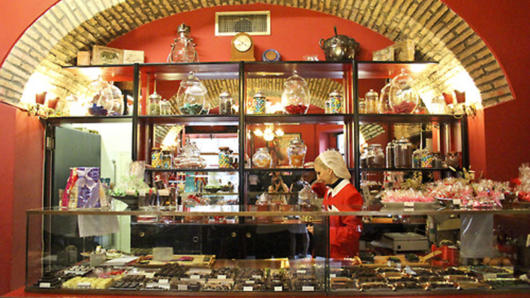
{"points": [[71, 25]]}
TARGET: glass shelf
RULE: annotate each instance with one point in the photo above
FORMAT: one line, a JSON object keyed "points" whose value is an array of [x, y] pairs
{"points": [[88, 119]]}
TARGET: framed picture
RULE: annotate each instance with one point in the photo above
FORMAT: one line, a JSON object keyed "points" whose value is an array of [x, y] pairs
{"points": [[281, 144]]}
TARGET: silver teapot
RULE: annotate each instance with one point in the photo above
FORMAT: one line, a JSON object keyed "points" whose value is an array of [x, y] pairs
{"points": [[339, 47]]}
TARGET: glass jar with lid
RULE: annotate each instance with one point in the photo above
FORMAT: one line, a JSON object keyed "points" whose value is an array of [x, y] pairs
{"points": [[165, 107], [154, 103], [296, 153], [262, 158], [258, 103], [156, 157], [384, 98], [226, 104], [403, 98], [224, 158], [334, 103], [403, 153], [167, 159], [296, 96], [191, 95], [377, 159], [372, 101]]}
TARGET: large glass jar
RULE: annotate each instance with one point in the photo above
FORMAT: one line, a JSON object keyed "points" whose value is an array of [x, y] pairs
{"points": [[191, 96], [296, 153], [296, 96], [403, 98], [372, 101], [403, 153], [183, 47], [262, 158]]}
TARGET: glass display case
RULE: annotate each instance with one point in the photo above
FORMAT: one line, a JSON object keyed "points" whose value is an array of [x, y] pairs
{"points": [[203, 208]]}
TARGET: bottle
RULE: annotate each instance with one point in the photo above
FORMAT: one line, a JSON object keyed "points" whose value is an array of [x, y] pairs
{"points": [[226, 104]]}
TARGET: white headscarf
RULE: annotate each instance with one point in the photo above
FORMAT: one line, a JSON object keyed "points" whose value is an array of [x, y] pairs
{"points": [[334, 160]]}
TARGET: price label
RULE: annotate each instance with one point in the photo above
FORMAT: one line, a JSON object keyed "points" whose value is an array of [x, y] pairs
{"points": [[256, 276], [457, 202], [163, 281], [278, 289], [250, 282], [332, 275], [164, 286], [221, 276], [248, 289], [490, 275], [182, 287], [150, 285], [83, 284], [45, 285], [409, 204], [408, 209], [308, 289], [195, 276], [301, 271]]}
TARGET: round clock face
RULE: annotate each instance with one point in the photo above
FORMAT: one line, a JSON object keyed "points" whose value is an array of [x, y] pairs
{"points": [[242, 43]]}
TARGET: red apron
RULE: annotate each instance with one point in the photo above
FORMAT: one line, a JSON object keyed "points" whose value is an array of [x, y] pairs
{"points": [[344, 231]]}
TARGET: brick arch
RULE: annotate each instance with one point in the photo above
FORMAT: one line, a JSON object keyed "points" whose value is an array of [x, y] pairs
{"points": [[71, 25]]}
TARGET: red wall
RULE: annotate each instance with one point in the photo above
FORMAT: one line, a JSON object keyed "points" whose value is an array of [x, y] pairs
{"points": [[7, 169], [503, 25], [294, 33]]}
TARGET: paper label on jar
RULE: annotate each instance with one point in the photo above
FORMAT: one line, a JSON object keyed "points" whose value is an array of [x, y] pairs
{"points": [[44, 285], [250, 282], [248, 289], [256, 276], [278, 289], [195, 276], [83, 284], [163, 281], [308, 288], [182, 287], [221, 276], [457, 202], [409, 204], [408, 209], [332, 275]]}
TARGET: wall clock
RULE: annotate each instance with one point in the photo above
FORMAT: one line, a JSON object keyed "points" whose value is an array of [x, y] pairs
{"points": [[242, 48]]}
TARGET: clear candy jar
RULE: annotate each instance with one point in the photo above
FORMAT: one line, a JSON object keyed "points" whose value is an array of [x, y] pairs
{"points": [[296, 96], [403, 98], [226, 104], [183, 47], [296, 153], [191, 96], [154, 103], [262, 158], [100, 97]]}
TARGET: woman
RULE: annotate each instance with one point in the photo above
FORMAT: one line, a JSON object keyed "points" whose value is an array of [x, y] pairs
{"points": [[344, 231]]}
